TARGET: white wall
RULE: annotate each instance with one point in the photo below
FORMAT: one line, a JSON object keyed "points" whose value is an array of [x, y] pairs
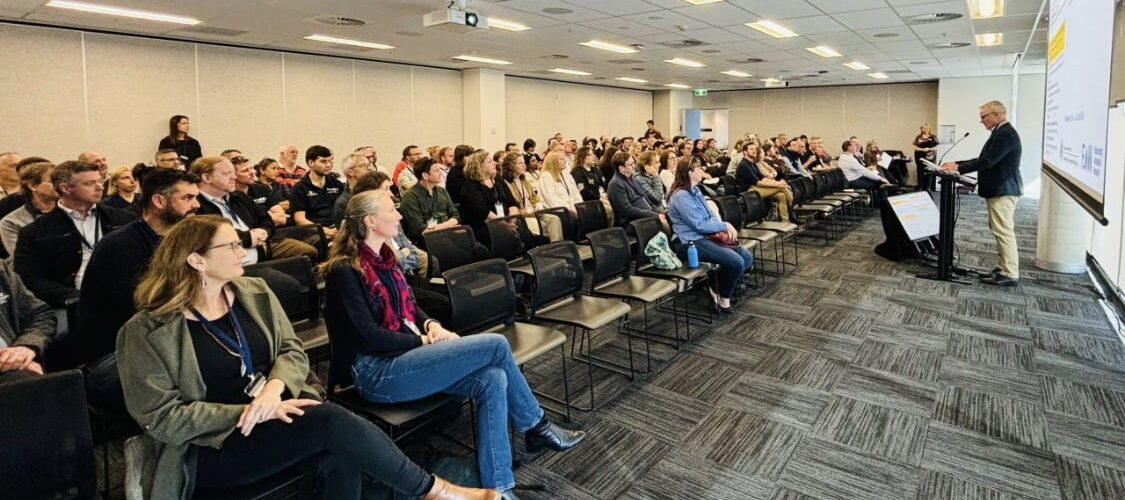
{"points": [[958, 101], [539, 108], [64, 91], [1106, 242]]}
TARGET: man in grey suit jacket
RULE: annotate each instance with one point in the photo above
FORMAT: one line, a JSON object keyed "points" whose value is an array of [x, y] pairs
{"points": [[1000, 185], [27, 328]]}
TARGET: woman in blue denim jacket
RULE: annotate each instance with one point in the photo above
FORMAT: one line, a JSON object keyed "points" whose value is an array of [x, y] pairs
{"points": [[398, 353], [691, 222]]}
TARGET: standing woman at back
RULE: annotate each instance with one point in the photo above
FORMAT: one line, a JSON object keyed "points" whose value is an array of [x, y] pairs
{"points": [[187, 148]]}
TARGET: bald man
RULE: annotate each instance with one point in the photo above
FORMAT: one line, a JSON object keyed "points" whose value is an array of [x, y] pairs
{"points": [[98, 160], [9, 178]]}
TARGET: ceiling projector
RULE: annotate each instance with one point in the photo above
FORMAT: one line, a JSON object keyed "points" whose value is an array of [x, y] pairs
{"points": [[455, 20]]}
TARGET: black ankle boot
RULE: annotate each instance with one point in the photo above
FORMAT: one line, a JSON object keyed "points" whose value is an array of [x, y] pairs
{"points": [[548, 435]]}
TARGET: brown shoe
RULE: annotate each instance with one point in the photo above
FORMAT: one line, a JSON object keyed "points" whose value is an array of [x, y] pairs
{"points": [[445, 490]]}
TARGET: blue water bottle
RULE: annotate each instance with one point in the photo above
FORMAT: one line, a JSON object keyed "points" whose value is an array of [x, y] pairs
{"points": [[692, 255]]}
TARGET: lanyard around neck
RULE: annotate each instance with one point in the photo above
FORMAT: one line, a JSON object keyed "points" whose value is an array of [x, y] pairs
{"points": [[236, 346]]}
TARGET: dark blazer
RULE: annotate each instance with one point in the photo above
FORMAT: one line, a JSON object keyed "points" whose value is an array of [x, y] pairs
{"points": [[628, 201], [998, 164], [747, 175], [49, 252], [477, 200], [245, 209]]}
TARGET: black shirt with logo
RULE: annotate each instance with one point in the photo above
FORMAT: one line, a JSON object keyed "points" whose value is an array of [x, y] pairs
{"points": [[315, 201]]}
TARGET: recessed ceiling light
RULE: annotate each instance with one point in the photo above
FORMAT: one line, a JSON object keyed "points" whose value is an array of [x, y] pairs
{"points": [[506, 25], [123, 12], [735, 72], [823, 51], [677, 85], [685, 62], [772, 29], [878, 75], [630, 79], [702, 2], [984, 9], [858, 66], [486, 60], [989, 39], [570, 72], [348, 41], [612, 47]]}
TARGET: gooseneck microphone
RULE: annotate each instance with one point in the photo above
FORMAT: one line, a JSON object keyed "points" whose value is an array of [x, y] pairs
{"points": [[955, 143]]}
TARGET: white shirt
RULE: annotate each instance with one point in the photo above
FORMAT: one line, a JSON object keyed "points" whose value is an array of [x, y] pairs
{"points": [[559, 194], [853, 169], [89, 231], [251, 256]]}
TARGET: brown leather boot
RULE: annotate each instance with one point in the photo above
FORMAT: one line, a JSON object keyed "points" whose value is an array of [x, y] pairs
{"points": [[445, 490]]}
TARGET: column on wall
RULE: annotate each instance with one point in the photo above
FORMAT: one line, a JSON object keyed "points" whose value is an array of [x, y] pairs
{"points": [[667, 110], [484, 108]]}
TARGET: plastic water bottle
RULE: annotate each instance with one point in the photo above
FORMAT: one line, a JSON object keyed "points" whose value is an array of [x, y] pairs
{"points": [[692, 255]]}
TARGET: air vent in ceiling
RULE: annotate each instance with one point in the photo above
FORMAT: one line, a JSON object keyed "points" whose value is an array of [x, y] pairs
{"points": [[211, 30], [338, 21], [683, 44], [939, 17], [625, 61], [897, 71], [750, 60], [636, 69], [949, 45]]}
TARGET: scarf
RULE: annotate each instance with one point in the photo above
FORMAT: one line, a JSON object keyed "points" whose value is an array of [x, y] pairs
{"points": [[377, 290]]}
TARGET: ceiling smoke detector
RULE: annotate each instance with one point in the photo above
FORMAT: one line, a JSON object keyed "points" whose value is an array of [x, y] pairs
{"points": [[338, 21], [939, 17]]}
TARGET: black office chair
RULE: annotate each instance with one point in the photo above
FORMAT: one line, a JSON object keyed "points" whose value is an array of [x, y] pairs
{"points": [[754, 215], [688, 278], [570, 228], [300, 299], [510, 239], [449, 249], [591, 217]]}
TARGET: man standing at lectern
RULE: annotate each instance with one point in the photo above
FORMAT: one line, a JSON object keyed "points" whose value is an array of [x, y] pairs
{"points": [[1000, 185]]}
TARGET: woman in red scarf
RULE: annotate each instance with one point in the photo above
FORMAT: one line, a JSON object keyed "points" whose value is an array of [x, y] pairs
{"points": [[397, 353]]}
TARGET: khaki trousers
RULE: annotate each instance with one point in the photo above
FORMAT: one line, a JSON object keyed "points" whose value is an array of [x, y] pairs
{"points": [[1001, 220], [289, 247], [783, 197]]}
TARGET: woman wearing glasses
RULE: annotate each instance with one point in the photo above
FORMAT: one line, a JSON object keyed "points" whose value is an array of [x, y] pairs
{"points": [[212, 371]]}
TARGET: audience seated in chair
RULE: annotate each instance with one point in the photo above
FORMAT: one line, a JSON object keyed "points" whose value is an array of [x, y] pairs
{"points": [[388, 340], [355, 166], [36, 187], [482, 196], [27, 329], [587, 175], [648, 178], [268, 193], [556, 185], [313, 196], [755, 174], [403, 177], [859, 176], [626, 197], [427, 206], [522, 191], [121, 190]]}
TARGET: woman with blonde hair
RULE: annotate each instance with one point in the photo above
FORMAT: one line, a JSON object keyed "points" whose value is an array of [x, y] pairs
{"points": [[482, 196], [925, 148], [214, 374], [122, 192], [396, 352], [556, 185]]}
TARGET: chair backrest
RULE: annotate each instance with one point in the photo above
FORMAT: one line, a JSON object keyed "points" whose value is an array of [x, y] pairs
{"points": [[558, 272], [839, 180], [807, 187], [645, 228], [591, 217], [566, 219], [756, 209], [481, 294], [301, 301], [729, 183], [451, 248], [730, 210], [611, 254], [312, 234], [822, 187], [48, 450], [504, 241]]}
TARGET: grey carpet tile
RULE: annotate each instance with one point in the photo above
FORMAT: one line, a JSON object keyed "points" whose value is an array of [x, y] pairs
{"points": [[989, 351], [1083, 308], [554, 485], [658, 412], [1105, 352], [795, 294], [751, 328], [835, 320], [1097, 325], [939, 304], [797, 367], [991, 329], [868, 303], [916, 316], [698, 377], [808, 339], [768, 308], [610, 458], [1013, 468], [743, 442], [680, 476], [1008, 382], [886, 389], [993, 310], [1085, 481], [930, 288], [917, 337], [1087, 441], [776, 401], [1013, 296], [1071, 368], [938, 486], [788, 494], [826, 470], [898, 359], [1006, 419], [875, 430], [740, 354]]}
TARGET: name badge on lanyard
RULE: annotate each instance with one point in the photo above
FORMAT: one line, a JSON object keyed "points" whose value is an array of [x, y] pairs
{"points": [[236, 346], [499, 208]]}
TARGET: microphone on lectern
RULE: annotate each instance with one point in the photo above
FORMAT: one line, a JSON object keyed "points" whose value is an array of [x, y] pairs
{"points": [[955, 143]]}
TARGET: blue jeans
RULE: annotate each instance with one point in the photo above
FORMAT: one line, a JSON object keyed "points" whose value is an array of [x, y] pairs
{"points": [[732, 263], [480, 367]]}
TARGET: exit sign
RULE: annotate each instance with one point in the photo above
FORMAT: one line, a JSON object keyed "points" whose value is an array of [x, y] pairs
{"points": [[699, 92]]}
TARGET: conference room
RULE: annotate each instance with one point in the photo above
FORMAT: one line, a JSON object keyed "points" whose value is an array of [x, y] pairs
{"points": [[484, 249]]}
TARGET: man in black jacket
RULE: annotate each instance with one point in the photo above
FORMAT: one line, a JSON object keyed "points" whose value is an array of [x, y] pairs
{"points": [[115, 269], [53, 251], [625, 196], [27, 329], [999, 183]]}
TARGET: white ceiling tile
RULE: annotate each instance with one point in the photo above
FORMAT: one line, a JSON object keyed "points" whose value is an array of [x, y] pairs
{"points": [[961, 29], [717, 14], [615, 7], [712, 35], [813, 25], [879, 35], [876, 18], [576, 14], [667, 20], [620, 28], [841, 38], [911, 54], [1005, 24], [773, 9], [947, 6], [832, 6]]}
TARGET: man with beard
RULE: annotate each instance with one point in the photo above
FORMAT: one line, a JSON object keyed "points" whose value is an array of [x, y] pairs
{"points": [[120, 258]]}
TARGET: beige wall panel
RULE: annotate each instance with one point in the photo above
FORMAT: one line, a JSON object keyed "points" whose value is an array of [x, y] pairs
{"points": [[911, 106], [867, 114], [384, 111], [320, 105], [240, 101], [134, 86], [516, 113], [41, 93], [538, 109], [437, 107], [824, 114]]}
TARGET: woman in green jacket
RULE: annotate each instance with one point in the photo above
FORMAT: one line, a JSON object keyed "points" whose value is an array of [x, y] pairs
{"points": [[212, 371]]}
